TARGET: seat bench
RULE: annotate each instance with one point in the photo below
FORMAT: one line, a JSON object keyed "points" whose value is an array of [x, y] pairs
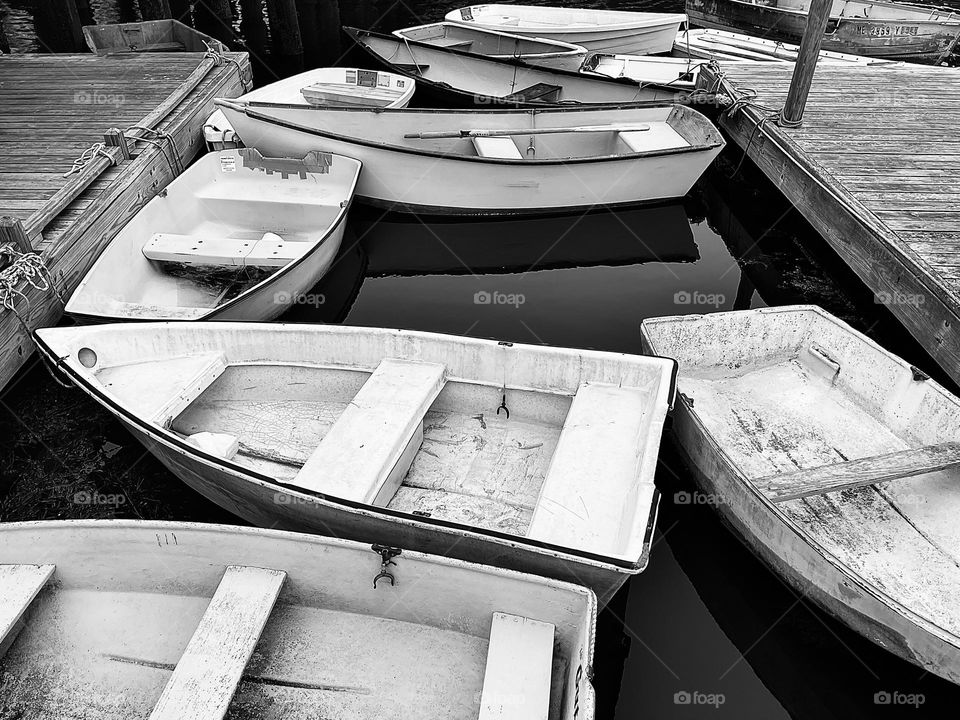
{"points": [[516, 681], [593, 472], [270, 251], [19, 585], [206, 677], [366, 454], [184, 381], [542, 92], [497, 147], [634, 139]]}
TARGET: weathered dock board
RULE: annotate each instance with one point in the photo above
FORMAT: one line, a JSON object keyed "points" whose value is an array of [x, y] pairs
{"points": [[52, 109], [874, 169]]}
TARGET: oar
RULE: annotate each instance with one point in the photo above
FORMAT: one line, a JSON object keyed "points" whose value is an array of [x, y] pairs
{"points": [[532, 131]]}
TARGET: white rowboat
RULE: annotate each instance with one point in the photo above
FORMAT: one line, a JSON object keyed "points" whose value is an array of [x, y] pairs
{"points": [[461, 79], [120, 619], [237, 236], [496, 44], [528, 173], [836, 461], [533, 458], [668, 72], [334, 87], [710, 44], [611, 31]]}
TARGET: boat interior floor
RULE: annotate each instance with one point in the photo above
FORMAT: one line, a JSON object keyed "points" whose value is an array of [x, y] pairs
{"points": [[107, 656], [789, 414], [475, 465]]}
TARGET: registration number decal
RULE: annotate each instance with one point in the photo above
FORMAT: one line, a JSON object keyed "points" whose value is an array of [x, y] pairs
{"points": [[885, 30]]}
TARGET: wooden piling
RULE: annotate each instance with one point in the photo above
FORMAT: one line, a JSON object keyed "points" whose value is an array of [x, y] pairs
{"points": [[4, 43], [155, 9], [319, 30], [285, 31], [57, 23], [806, 63], [215, 18]]}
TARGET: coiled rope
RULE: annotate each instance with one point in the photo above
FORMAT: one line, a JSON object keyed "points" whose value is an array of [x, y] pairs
{"points": [[26, 269], [87, 156]]}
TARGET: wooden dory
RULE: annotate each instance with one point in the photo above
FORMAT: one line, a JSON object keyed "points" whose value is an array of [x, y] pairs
{"points": [[525, 457], [329, 87], [497, 162], [450, 77], [611, 31], [237, 236], [799, 428], [890, 30], [495, 44], [729, 47], [129, 619], [148, 36]]}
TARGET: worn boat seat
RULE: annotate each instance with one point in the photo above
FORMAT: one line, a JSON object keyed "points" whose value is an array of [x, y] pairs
{"points": [[19, 585], [516, 682], [635, 139], [206, 677], [412, 68], [593, 470], [175, 383], [543, 92], [270, 251], [497, 147], [368, 451]]}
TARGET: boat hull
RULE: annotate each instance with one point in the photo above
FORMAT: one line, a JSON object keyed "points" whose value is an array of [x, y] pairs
{"points": [[411, 182], [272, 506], [929, 42]]}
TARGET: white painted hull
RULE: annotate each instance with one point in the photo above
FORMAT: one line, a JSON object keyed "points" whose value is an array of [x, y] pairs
{"points": [[138, 369], [126, 597], [220, 135], [678, 73], [863, 555], [397, 178], [598, 31]]}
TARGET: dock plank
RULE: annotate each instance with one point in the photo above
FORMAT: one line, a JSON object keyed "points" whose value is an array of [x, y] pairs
{"points": [[874, 169]]}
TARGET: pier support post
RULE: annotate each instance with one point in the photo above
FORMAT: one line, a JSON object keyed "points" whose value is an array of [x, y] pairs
{"points": [[12, 231], [4, 43], [57, 24], [155, 9], [285, 31], [319, 30], [806, 63], [215, 18]]}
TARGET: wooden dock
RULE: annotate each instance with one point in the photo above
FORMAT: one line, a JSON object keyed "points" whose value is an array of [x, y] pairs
{"points": [[55, 107], [874, 169]]}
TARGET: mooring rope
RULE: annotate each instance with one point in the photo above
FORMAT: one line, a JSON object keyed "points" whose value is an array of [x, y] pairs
{"points": [[213, 53], [87, 156], [26, 269], [159, 139]]}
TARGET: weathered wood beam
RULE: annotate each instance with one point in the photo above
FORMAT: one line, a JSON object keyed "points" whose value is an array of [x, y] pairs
{"points": [[859, 473], [807, 60], [12, 231]]}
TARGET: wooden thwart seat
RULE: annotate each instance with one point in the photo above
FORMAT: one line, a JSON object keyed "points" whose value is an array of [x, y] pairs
{"points": [[19, 585], [496, 147], [270, 251], [200, 371], [516, 682], [544, 92], [634, 139], [858, 473], [206, 677], [593, 469], [368, 451]]}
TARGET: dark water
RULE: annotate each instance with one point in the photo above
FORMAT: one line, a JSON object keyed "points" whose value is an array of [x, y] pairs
{"points": [[706, 618]]}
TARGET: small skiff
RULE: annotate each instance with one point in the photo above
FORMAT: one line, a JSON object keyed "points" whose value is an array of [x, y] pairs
{"points": [[668, 72], [237, 236], [734, 47], [837, 462], [889, 30], [148, 36], [451, 78], [330, 87], [611, 31], [495, 44], [533, 458], [497, 162], [124, 619]]}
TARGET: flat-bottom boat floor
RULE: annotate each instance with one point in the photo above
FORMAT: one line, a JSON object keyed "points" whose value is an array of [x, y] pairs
{"points": [[107, 656], [474, 466], [788, 415]]}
